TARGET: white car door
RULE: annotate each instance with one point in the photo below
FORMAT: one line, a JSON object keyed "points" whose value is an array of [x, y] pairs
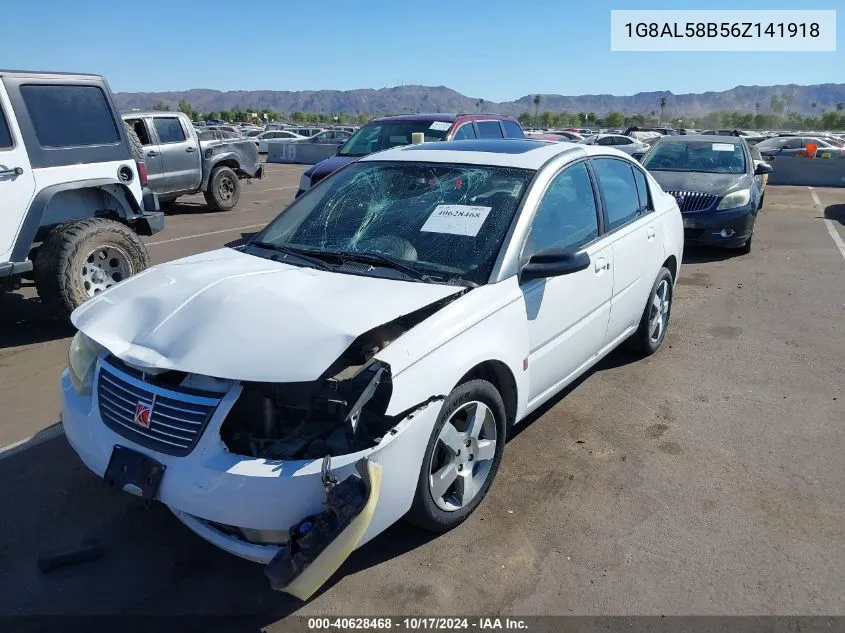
{"points": [[567, 315], [17, 183], [635, 233]]}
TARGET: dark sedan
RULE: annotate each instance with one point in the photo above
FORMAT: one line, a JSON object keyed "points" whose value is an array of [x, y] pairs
{"points": [[717, 185]]}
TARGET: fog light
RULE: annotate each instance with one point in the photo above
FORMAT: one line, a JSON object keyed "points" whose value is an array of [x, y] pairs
{"points": [[726, 233]]}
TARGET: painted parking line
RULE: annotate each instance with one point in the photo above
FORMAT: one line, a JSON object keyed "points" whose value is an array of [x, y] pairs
{"points": [[190, 237], [273, 189], [52, 431], [837, 239]]}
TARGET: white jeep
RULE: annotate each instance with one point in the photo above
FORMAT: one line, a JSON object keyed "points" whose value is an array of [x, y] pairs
{"points": [[73, 196]]}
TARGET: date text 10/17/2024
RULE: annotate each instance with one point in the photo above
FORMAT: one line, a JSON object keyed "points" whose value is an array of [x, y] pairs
{"points": [[418, 623]]}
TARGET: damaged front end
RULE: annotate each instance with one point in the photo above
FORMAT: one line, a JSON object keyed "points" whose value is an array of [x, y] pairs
{"points": [[341, 412], [319, 544]]}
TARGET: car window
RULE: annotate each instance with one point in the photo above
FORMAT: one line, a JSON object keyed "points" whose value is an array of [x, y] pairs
{"points": [[621, 199], [169, 129], [605, 140], [489, 129], [380, 135], [465, 132], [70, 115], [567, 215], [622, 140], [512, 129], [642, 190], [793, 143], [5, 134]]}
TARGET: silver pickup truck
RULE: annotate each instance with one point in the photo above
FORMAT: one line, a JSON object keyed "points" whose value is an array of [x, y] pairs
{"points": [[179, 163]]}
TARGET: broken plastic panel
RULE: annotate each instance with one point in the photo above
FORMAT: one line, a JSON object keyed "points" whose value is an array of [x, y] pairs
{"points": [[341, 412]]}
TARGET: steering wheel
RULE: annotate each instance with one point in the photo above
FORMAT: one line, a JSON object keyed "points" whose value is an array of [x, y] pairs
{"points": [[391, 245]]}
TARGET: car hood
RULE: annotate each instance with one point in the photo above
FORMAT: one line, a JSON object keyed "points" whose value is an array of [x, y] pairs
{"points": [[718, 184], [232, 315], [327, 167]]}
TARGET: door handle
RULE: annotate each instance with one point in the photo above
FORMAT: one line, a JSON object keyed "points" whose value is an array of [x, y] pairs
{"points": [[190, 149], [152, 153], [602, 264], [14, 171], [651, 233]]}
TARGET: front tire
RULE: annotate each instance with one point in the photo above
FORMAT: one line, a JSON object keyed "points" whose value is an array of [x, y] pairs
{"points": [[462, 457], [224, 189], [655, 319], [81, 259]]}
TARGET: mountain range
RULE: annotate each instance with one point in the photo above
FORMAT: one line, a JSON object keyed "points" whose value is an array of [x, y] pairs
{"points": [[401, 99]]}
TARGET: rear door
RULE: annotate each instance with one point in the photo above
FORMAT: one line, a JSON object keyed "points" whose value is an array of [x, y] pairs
{"points": [[179, 154], [17, 184], [635, 233], [567, 315], [156, 177]]}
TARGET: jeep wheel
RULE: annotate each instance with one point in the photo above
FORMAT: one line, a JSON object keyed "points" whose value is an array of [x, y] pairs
{"points": [[81, 259], [223, 189]]}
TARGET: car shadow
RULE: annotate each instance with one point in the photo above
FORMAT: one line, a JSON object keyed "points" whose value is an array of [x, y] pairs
{"points": [[243, 239], [835, 212], [707, 254], [186, 207], [26, 321]]}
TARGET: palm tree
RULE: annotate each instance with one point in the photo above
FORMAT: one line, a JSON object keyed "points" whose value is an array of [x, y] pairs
{"points": [[480, 105], [840, 106], [536, 100], [662, 107], [757, 108]]}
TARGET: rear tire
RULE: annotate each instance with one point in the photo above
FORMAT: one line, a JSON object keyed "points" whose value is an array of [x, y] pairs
{"points": [[655, 316], [82, 258], [475, 464], [224, 189]]}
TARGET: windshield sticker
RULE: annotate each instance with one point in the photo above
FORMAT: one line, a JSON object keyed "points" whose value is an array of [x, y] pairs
{"points": [[456, 219], [723, 147], [440, 126]]}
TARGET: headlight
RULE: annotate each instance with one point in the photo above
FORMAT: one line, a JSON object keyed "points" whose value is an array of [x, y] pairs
{"points": [[305, 182], [736, 199], [81, 358]]}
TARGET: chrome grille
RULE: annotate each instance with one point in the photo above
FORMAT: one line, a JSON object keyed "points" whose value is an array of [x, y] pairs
{"points": [[177, 418], [694, 200]]}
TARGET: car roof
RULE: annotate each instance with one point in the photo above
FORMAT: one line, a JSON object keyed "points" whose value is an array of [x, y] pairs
{"points": [[42, 73], [446, 117], [706, 138], [519, 153]]}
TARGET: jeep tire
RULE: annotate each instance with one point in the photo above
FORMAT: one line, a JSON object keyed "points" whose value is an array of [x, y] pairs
{"points": [[223, 190], [80, 259]]}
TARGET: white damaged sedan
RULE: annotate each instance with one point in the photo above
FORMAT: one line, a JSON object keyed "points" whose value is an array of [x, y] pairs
{"points": [[364, 356]]}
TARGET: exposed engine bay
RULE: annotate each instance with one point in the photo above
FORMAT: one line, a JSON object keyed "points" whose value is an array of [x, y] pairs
{"points": [[341, 412]]}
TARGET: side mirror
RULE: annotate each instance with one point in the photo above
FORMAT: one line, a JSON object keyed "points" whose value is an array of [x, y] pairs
{"points": [[763, 168], [554, 262]]}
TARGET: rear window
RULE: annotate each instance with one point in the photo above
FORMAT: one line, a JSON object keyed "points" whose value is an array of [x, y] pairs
{"points": [[5, 135], [70, 116], [489, 129]]}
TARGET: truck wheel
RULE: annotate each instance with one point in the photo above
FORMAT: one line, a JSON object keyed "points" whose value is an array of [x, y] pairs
{"points": [[224, 189], [80, 259], [135, 145]]}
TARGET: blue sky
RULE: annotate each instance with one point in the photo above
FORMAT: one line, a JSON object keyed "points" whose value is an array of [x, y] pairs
{"points": [[494, 49]]}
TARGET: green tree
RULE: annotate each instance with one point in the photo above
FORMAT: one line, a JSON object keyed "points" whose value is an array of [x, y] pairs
{"points": [[614, 119], [526, 119], [161, 106], [840, 106], [547, 119], [186, 109], [536, 100]]}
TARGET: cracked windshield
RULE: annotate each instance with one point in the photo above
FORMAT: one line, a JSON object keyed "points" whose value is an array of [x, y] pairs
{"points": [[435, 222]]}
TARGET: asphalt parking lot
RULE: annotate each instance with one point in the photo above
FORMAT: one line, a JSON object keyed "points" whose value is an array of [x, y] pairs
{"points": [[706, 479]]}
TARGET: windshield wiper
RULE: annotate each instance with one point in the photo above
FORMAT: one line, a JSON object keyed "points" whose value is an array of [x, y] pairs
{"points": [[288, 250], [385, 261]]}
